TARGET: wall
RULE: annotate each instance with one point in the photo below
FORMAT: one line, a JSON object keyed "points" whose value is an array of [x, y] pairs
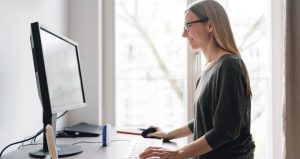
{"points": [[20, 108], [85, 28], [108, 11]]}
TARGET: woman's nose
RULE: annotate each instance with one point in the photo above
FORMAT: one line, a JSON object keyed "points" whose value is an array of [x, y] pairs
{"points": [[184, 33]]}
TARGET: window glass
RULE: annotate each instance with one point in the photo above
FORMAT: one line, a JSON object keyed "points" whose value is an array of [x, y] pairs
{"points": [[150, 63]]}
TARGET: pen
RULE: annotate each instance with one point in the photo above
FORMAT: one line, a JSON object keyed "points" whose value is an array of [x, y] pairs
{"points": [[128, 132]]}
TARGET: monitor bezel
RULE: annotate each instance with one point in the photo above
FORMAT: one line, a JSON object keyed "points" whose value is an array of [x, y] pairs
{"points": [[40, 68]]}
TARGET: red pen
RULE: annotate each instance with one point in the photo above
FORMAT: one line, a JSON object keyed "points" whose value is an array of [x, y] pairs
{"points": [[131, 132]]}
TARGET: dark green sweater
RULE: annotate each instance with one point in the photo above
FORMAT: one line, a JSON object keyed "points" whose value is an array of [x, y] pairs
{"points": [[222, 110]]}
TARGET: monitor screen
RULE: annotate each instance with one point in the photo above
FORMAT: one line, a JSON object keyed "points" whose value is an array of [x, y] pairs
{"points": [[62, 72]]}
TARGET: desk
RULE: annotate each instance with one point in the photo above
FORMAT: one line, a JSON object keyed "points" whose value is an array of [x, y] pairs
{"points": [[118, 148]]}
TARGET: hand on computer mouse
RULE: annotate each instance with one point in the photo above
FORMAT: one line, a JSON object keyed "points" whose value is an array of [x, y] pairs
{"points": [[154, 132]]}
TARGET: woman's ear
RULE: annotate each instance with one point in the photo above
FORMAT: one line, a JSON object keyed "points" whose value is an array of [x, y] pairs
{"points": [[209, 27]]}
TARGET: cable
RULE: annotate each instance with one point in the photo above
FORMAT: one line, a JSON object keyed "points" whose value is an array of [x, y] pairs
{"points": [[86, 142], [29, 145], [90, 142], [37, 134], [120, 140], [42, 130], [26, 138], [34, 137], [62, 114], [14, 144]]}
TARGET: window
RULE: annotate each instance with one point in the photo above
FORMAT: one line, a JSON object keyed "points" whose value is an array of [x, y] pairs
{"points": [[150, 63]]}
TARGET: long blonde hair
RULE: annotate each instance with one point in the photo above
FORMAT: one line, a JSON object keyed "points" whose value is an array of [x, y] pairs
{"points": [[222, 32]]}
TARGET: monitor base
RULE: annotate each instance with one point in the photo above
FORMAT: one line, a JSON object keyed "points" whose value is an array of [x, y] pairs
{"points": [[62, 150]]}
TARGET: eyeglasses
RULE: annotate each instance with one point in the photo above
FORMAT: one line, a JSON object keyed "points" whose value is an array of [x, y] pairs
{"points": [[188, 24]]}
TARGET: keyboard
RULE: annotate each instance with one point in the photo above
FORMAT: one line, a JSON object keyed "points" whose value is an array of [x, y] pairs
{"points": [[139, 145]]}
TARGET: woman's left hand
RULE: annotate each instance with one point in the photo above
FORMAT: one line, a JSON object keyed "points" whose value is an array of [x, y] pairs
{"points": [[160, 152]]}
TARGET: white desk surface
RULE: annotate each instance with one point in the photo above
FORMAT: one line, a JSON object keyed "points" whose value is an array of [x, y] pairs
{"points": [[119, 147]]}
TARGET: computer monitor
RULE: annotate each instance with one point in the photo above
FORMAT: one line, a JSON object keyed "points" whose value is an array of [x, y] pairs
{"points": [[59, 80]]}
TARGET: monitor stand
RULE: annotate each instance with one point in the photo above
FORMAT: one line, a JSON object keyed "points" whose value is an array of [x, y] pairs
{"points": [[62, 150]]}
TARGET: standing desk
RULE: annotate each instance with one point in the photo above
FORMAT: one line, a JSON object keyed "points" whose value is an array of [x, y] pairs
{"points": [[118, 148]]}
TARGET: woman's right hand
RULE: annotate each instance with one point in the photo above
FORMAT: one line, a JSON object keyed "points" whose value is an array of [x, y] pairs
{"points": [[159, 133]]}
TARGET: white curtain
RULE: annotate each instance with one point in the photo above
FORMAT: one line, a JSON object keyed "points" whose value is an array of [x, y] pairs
{"points": [[292, 80]]}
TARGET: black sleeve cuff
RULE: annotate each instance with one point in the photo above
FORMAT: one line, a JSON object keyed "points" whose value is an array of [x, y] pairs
{"points": [[215, 138], [191, 125]]}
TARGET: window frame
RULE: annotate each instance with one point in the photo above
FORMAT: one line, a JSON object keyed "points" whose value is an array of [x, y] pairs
{"points": [[108, 62], [276, 49]]}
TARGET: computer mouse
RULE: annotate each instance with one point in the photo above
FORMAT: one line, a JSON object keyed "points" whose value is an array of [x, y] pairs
{"points": [[149, 130]]}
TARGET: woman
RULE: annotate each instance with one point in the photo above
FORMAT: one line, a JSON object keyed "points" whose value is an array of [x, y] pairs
{"points": [[222, 104]]}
